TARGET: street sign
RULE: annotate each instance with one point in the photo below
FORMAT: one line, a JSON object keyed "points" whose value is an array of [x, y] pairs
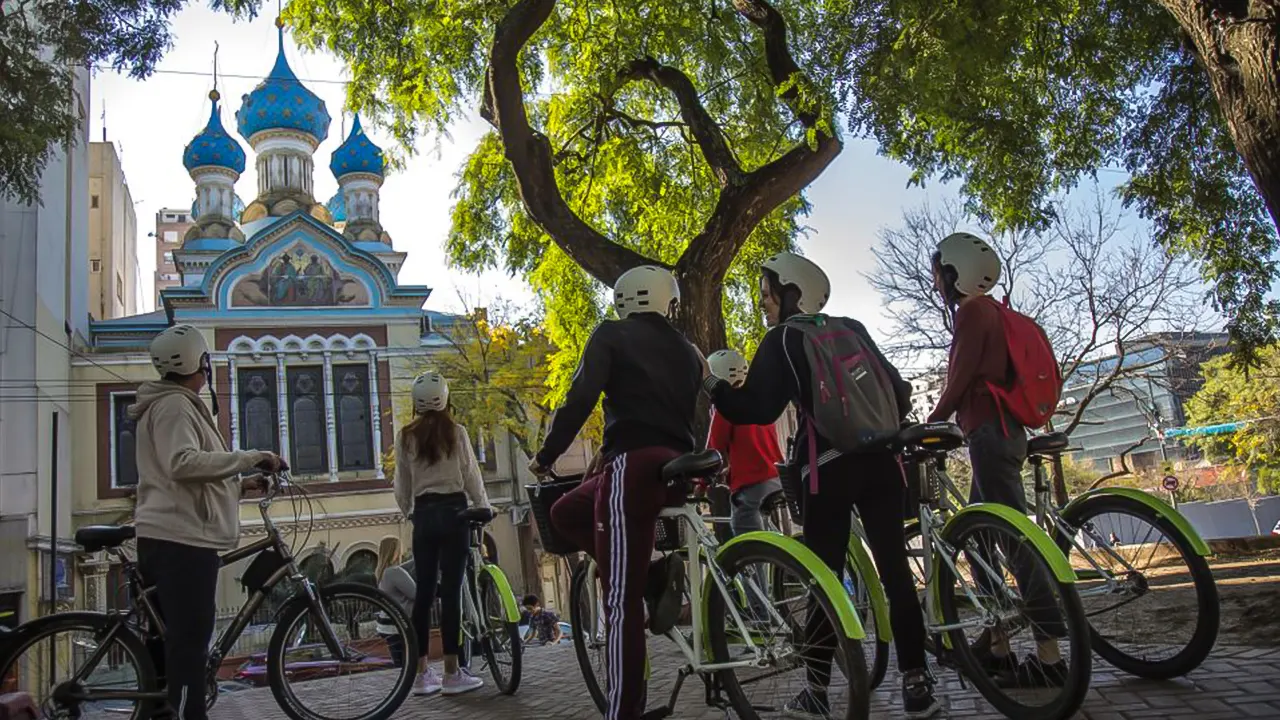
{"points": [[1170, 483]]}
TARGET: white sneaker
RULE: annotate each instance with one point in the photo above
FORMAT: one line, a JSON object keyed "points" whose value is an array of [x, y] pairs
{"points": [[428, 684], [460, 682]]}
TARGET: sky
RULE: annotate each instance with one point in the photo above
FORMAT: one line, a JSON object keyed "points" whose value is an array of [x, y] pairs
{"points": [[151, 122]]}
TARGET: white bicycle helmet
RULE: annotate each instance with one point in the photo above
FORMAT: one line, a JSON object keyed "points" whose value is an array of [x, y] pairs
{"points": [[430, 392], [976, 264], [793, 269], [647, 288], [180, 349], [728, 365]]}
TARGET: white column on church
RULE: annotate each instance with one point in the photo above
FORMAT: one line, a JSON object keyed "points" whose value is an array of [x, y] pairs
{"points": [[282, 402], [330, 422], [234, 401], [375, 412]]}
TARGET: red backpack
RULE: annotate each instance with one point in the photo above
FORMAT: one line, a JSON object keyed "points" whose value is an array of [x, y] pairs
{"points": [[1033, 395]]}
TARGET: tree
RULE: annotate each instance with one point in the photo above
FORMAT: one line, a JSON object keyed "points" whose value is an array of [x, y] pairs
{"points": [[1095, 291], [42, 43], [1229, 395], [496, 366], [679, 134], [1021, 101]]}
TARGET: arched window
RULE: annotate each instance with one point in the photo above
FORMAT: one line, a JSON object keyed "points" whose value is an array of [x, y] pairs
{"points": [[308, 438], [361, 567], [355, 429], [259, 424], [317, 567]]}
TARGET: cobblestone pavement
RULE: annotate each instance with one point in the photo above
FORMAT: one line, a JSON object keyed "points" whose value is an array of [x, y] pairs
{"points": [[1233, 683]]}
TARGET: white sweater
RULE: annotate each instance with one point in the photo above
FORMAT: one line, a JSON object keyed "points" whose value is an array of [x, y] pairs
{"points": [[457, 473]]}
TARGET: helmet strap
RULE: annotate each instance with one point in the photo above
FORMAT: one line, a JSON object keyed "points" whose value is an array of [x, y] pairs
{"points": [[207, 366]]}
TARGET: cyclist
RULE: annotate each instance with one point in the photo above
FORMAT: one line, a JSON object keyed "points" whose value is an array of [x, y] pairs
{"points": [[649, 375], [872, 481], [752, 451], [436, 476], [188, 507], [965, 269]]}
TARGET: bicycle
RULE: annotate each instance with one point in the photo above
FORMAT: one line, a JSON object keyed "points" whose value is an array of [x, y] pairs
{"points": [[980, 561], [118, 644], [1107, 577], [490, 616], [740, 635]]}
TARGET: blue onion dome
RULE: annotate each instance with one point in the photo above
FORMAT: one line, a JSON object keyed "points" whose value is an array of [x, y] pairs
{"points": [[237, 207], [357, 154], [280, 102], [337, 207], [213, 146]]}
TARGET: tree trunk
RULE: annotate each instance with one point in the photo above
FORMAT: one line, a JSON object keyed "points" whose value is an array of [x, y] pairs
{"points": [[1238, 42], [702, 322]]}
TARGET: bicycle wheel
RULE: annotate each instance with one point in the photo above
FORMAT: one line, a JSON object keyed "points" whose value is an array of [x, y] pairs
{"points": [[49, 651], [1007, 588], [586, 612], [1143, 618], [298, 656], [501, 637], [858, 583], [808, 660]]}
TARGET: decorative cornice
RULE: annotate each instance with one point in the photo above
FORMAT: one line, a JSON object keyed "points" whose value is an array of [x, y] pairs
{"points": [[322, 523]]}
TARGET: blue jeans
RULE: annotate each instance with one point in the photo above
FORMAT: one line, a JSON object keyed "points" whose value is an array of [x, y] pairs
{"points": [[746, 506]]}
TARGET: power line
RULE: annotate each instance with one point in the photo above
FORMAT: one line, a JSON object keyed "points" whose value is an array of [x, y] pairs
{"points": [[61, 344]]}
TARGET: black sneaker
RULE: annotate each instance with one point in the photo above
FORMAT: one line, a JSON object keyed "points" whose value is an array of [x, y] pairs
{"points": [[665, 593], [808, 705], [917, 695], [1034, 673]]}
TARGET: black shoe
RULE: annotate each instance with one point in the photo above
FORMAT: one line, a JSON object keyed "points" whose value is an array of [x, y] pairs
{"points": [[665, 594], [917, 695], [1034, 673], [808, 705]]}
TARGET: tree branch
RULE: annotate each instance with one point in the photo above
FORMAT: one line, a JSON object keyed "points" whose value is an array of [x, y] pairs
{"points": [[706, 131], [530, 154]]}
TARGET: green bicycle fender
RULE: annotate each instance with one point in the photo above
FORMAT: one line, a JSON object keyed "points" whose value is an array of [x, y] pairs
{"points": [[826, 579], [1038, 537], [861, 559], [504, 591], [1160, 507]]}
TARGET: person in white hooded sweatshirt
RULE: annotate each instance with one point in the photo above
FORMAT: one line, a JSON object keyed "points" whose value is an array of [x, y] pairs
{"points": [[188, 506]]}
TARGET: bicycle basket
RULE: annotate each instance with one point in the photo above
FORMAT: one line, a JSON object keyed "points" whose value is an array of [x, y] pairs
{"points": [[541, 497]]}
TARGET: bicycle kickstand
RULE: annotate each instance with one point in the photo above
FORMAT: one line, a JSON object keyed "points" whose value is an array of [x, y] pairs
{"points": [[666, 711]]}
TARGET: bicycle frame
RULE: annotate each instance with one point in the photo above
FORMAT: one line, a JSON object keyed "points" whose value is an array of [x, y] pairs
{"points": [[146, 611], [472, 603], [700, 545]]}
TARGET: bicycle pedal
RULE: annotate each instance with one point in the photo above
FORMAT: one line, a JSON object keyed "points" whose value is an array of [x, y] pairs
{"points": [[657, 714]]}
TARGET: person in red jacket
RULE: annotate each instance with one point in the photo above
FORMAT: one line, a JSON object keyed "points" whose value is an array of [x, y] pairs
{"points": [[751, 451]]}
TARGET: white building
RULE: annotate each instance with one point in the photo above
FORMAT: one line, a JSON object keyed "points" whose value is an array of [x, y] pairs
{"points": [[44, 265]]}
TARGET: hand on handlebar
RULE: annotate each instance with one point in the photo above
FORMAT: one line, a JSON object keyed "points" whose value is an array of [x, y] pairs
{"points": [[538, 469], [272, 463]]}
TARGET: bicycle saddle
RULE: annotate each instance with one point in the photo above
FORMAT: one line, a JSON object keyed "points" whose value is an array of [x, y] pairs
{"points": [[939, 437], [1048, 444], [693, 465], [481, 515], [100, 537]]}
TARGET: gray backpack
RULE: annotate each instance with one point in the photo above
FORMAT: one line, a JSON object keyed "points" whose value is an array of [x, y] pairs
{"points": [[854, 403]]}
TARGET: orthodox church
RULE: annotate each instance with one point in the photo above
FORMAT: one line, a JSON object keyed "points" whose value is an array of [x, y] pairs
{"points": [[314, 339]]}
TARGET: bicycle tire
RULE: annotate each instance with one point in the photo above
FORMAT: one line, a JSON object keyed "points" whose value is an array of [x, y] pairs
{"points": [[31, 633], [875, 649], [496, 625], [294, 610], [744, 554], [1079, 670], [1208, 615], [577, 595]]}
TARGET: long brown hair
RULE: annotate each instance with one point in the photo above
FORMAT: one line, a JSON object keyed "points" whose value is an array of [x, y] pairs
{"points": [[432, 436], [388, 555]]}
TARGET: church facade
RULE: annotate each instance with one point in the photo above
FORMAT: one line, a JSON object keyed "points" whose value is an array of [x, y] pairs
{"points": [[315, 342]]}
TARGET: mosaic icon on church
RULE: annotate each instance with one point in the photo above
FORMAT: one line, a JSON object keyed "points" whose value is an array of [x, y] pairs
{"points": [[299, 277]]}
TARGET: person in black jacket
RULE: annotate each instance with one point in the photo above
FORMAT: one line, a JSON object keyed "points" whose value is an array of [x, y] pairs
{"points": [[871, 480], [650, 376]]}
